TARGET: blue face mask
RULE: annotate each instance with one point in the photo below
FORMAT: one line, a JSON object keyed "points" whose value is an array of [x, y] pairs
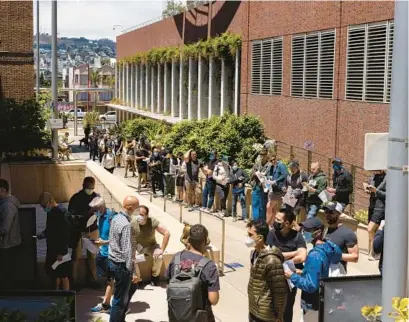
{"points": [[307, 236], [336, 167], [47, 209], [211, 158]]}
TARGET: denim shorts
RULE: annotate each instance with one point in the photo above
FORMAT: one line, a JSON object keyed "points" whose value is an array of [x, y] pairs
{"points": [[102, 268]]}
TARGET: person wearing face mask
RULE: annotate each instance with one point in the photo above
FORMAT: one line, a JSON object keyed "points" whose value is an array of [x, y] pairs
{"points": [[222, 172], [104, 218], [129, 149], [238, 178], [180, 178], [56, 233], [316, 266], [342, 182], [210, 185], [292, 245], [259, 195], [108, 161], [317, 182], [341, 236], [190, 169], [169, 172], [10, 237], [79, 206], [155, 165], [294, 186], [121, 258], [145, 228], [267, 289]]}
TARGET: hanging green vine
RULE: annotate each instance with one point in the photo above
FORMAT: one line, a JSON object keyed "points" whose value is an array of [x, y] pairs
{"points": [[225, 45]]}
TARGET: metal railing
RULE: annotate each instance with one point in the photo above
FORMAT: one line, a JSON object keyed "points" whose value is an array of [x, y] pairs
{"points": [[359, 198]]}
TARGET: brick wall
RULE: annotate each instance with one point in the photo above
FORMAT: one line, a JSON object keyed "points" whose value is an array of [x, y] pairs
{"points": [[16, 50], [336, 127]]}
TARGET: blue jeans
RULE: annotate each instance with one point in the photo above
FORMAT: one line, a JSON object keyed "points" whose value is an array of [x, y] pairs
{"points": [[122, 285], [313, 210], [239, 195], [102, 264], [258, 204], [208, 194]]}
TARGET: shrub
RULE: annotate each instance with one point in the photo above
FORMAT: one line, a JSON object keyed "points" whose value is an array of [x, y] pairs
{"points": [[23, 124], [151, 128]]}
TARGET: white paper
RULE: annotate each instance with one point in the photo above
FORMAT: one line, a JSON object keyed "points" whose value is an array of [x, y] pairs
{"points": [[91, 220], [289, 266], [139, 248], [139, 258], [325, 196], [65, 258], [89, 246], [289, 199]]}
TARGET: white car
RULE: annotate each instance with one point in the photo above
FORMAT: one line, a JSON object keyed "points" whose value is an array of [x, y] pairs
{"points": [[108, 116], [80, 113]]}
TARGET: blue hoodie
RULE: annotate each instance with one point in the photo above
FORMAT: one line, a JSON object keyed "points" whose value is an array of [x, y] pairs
{"points": [[316, 267]]}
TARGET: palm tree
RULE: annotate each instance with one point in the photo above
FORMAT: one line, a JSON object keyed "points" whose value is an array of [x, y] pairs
{"points": [[95, 78]]}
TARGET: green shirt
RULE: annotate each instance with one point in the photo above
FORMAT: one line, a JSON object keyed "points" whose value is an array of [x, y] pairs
{"points": [[145, 234]]}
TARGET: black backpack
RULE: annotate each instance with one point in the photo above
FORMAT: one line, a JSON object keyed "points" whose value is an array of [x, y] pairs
{"points": [[185, 293]]}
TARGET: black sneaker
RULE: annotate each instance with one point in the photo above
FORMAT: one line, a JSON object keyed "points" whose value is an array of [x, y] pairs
{"points": [[155, 281]]}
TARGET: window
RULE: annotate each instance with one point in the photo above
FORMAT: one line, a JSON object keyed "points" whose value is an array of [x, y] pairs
{"points": [[312, 64], [369, 62], [267, 66]]}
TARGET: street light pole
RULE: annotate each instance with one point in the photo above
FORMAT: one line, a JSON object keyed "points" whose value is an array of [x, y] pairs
{"points": [[395, 260], [38, 52], [54, 79]]}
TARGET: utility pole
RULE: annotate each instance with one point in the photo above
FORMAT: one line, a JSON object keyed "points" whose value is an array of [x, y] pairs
{"points": [[54, 78], [395, 259], [38, 52]]}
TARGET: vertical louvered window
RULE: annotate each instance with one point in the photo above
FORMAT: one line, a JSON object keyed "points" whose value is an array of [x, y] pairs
{"points": [[267, 66], [369, 62], [312, 64]]}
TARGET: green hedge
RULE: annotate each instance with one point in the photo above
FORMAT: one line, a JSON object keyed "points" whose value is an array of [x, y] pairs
{"points": [[231, 135], [22, 125]]}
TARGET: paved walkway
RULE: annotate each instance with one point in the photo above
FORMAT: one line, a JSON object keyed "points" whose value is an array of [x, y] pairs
{"points": [[233, 305]]}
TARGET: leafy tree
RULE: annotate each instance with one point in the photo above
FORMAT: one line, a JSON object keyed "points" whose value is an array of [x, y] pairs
{"points": [[173, 8], [95, 78]]}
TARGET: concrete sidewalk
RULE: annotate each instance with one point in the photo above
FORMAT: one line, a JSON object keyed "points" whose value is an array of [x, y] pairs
{"points": [[150, 304]]}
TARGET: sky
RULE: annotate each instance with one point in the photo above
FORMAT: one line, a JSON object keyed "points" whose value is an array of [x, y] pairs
{"points": [[95, 19]]}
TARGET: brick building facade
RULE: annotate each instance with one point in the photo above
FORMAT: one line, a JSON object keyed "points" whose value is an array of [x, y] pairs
{"points": [[16, 50], [315, 89]]}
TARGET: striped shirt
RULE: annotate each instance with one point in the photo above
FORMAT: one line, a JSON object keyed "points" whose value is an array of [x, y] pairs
{"points": [[120, 242]]}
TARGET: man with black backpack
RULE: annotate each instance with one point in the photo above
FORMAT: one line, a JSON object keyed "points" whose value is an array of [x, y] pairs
{"points": [[193, 281]]}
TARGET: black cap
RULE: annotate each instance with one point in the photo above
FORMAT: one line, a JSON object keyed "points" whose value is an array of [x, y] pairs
{"points": [[312, 224], [294, 163], [337, 160], [333, 206]]}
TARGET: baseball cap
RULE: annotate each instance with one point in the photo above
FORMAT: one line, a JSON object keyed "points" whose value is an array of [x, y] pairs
{"points": [[337, 160], [333, 206], [312, 224], [294, 163]]}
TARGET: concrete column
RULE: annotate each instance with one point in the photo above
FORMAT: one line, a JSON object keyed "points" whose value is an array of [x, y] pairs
{"points": [[116, 81], [136, 87], [160, 89], [183, 90], [192, 89], [166, 89], [237, 83], [123, 84], [223, 88], [153, 89], [127, 85], [147, 87], [213, 107], [141, 86], [174, 90], [131, 85], [202, 89]]}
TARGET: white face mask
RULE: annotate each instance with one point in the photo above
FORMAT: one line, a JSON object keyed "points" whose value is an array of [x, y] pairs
{"points": [[250, 242], [140, 219]]}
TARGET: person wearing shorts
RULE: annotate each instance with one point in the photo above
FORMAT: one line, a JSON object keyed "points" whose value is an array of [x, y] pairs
{"points": [[104, 216], [376, 213], [130, 157], [180, 179]]}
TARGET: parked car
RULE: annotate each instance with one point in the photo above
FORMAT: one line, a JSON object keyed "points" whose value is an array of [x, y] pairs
{"points": [[108, 116], [80, 113]]}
